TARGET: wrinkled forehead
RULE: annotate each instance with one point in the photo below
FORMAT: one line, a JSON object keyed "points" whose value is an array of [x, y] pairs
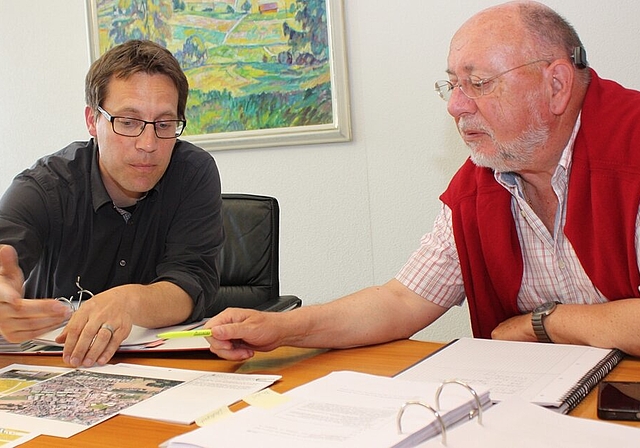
{"points": [[491, 40]]}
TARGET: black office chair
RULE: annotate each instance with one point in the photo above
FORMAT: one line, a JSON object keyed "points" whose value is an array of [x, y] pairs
{"points": [[249, 260]]}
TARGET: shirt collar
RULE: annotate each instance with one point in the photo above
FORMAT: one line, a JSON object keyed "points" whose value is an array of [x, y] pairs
{"points": [[99, 193]]}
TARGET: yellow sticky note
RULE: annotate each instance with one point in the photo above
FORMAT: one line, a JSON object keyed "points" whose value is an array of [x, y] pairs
{"points": [[266, 398], [214, 416]]}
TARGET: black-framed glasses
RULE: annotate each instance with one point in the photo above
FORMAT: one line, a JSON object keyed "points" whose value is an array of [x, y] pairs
{"points": [[474, 87], [134, 127]]}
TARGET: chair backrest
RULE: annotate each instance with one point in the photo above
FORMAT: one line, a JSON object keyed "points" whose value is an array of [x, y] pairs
{"points": [[249, 261]]}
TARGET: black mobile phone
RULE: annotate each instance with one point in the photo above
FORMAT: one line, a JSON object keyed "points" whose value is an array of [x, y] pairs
{"points": [[619, 400]]}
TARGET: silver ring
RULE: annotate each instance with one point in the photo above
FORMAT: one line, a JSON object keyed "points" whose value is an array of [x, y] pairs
{"points": [[108, 328]]}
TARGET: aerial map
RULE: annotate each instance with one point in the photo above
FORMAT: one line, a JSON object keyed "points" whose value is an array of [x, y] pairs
{"points": [[77, 396]]}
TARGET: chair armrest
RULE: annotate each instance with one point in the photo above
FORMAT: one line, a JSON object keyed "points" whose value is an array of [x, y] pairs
{"points": [[282, 303]]}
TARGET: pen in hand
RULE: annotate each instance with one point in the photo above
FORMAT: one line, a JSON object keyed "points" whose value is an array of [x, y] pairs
{"points": [[205, 332]]}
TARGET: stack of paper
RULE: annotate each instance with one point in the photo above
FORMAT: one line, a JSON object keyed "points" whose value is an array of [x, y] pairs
{"points": [[14, 347], [139, 337], [342, 409]]}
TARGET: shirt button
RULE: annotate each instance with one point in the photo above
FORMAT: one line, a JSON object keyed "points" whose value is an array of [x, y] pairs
{"points": [[561, 264], [123, 263]]}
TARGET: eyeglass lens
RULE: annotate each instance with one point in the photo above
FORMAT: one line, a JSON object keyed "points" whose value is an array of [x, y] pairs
{"points": [[131, 127]]}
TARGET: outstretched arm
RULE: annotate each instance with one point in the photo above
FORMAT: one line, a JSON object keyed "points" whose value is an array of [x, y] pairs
{"points": [[373, 315]]}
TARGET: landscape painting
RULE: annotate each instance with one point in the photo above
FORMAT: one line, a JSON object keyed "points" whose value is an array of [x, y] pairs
{"points": [[261, 73]]}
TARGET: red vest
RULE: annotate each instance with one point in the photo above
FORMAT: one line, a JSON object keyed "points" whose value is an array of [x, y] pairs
{"points": [[602, 205]]}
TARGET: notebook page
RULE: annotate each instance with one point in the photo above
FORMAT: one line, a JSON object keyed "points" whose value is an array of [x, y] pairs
{"points": [[538, 373]]}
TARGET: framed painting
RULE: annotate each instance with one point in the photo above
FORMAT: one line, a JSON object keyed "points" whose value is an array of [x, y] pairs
{"points": [[261, 73]]}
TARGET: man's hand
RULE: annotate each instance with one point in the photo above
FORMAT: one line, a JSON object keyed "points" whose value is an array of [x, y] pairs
{"points": [[23, 319], [237, 333], [517, 328], [96, 330], [98, 327]]}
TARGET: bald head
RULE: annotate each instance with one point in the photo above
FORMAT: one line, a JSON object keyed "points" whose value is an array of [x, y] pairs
{"points": [[527, 29]]}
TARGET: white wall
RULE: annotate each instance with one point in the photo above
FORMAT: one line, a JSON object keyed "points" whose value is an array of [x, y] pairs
{"points": [[351, 212]]}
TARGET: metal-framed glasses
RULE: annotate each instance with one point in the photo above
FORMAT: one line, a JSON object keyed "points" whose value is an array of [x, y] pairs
{"points": [[474, 87], [134, 127]]}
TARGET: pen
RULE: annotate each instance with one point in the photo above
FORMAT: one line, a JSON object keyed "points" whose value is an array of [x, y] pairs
{"points": [[184, 334]]}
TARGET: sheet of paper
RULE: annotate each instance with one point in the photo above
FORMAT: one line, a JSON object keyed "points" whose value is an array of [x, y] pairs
{"points": [[539, 373], [11, 437], [65, 403], [517, 423], [200, 394], [342, 409], [138, 337], [16, 377]]}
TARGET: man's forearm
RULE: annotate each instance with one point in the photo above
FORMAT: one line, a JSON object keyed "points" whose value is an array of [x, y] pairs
{"points": [[373, 315], [613, 324], [157, 305]]}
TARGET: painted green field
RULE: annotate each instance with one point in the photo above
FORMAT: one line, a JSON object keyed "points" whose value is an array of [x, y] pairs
{"points": [[247, 71]]}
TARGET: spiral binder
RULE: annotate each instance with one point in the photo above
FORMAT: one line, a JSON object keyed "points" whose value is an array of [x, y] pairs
{"points": [[578, 392], [557, 376], [436, 410]]}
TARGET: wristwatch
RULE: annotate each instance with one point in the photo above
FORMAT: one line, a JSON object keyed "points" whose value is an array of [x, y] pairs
{"points": [[537, 320]]}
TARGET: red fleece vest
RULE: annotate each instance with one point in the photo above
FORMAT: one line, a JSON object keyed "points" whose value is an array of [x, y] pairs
{"points": [[602, 204]]}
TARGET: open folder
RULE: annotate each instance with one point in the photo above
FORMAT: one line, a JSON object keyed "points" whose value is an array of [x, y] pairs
{"points": [[345, 409]]}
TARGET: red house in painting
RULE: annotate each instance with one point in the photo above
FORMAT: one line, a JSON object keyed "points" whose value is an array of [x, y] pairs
{"points": [[266, 8]]}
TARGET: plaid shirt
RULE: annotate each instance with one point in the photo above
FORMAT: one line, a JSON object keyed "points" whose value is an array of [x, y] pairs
{"points": [[552, 270]]}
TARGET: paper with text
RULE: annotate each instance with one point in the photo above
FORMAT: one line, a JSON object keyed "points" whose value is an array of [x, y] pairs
{"points": [[342, 409], [199, 394], [536, 372]]}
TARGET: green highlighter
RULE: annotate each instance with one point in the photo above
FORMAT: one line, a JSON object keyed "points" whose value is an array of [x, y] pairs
{"points": [[204, 332]]}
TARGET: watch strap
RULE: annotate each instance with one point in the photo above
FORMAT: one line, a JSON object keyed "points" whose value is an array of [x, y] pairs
{"points": [[537, 321]]}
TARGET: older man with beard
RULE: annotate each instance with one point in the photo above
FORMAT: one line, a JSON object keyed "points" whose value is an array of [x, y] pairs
{"points": [[538, 230]]}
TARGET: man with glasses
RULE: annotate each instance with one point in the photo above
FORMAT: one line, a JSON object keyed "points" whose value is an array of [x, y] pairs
{"points": [[129, 220], [538, 230]]}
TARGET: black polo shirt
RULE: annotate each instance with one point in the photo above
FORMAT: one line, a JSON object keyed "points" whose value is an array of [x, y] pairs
{"points": [[62, 222]]}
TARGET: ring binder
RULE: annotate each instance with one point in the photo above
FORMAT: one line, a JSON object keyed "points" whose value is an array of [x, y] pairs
{"points": [[443, 428], [477, 411], [436, 410]]}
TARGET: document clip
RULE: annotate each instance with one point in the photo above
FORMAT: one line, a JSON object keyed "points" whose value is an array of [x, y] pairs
{"points": [[436, 411]]}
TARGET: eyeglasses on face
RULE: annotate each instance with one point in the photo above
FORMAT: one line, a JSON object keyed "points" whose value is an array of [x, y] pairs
{"points": [[474, 87], [134, 127]]}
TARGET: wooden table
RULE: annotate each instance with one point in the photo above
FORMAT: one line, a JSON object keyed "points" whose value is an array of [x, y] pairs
{"points": [[297, 366]]}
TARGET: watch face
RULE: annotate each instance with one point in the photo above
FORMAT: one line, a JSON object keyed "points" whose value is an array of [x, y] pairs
{"points": [[545, 307]]}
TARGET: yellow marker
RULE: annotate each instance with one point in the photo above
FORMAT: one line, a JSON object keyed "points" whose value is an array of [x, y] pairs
{"points": [[184, 334]]}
